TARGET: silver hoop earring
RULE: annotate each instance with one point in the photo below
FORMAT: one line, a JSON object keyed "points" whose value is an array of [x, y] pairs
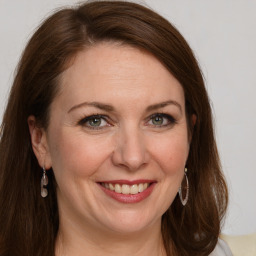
{"points": [[44, 182], [184, 200]]}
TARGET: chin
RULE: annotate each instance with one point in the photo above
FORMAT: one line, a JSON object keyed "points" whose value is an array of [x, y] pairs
{"points": [[127, 222]]}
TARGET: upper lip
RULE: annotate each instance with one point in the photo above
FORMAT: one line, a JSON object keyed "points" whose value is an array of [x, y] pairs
{"points": [[128, 182]]}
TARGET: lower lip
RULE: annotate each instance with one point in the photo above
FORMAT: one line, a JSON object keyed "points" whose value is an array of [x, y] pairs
{"points": [[128, 199]]}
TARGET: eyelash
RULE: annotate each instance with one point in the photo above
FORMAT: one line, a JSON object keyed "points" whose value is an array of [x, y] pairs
{"points": [[83, 121], [170, 120]]}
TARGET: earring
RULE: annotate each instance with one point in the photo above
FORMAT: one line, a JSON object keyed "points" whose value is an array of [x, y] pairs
{"points": [[44, 182], [182, 199]]}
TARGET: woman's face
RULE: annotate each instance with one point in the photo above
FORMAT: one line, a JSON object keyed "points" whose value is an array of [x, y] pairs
{"points": [[117, 140]]}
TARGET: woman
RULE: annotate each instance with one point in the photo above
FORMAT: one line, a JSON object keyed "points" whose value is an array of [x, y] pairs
{"points": [[107, 143]]}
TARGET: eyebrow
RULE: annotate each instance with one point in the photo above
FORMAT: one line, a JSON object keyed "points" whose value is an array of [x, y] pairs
{"points": [[164, 104], [98, 105], [110, 108]]}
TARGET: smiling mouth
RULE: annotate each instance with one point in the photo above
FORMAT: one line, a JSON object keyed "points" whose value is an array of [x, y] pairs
{"points": [[125, 188], [127, 191]]}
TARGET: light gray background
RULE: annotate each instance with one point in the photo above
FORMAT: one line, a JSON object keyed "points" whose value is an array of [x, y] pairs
{"points": [[222, 34]]}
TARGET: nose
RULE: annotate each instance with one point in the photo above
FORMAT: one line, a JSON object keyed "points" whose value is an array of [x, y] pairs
{"points": [[130, 151]]}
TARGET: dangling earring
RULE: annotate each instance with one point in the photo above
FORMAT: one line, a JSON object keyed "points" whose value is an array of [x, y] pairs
{"points": [[44, 182], [182, 199]]}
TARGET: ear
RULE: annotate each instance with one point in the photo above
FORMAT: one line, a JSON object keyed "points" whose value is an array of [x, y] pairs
{"points": [[39, 143], [193, 119]]}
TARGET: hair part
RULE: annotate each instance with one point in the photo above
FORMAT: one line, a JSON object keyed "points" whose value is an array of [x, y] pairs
{"points": [[26, 219]]}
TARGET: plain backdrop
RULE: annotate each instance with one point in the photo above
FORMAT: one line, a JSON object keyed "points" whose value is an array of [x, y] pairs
{"points": [[223, 37]]}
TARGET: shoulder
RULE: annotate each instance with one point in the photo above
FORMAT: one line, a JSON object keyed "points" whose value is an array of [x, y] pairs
{"points": [[221, 249]]}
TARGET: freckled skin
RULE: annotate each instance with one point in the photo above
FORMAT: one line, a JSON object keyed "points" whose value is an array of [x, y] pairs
{"points": [[128, 147]]}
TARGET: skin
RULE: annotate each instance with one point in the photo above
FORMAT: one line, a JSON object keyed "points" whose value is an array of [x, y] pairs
{"points": [[129, 144]]}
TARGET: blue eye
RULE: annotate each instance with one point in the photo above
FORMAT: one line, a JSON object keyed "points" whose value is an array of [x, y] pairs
{"points": [[94, 122], [161, 120]]}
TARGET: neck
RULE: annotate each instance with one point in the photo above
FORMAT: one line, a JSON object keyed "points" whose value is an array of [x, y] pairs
{"points": [[73, 241]]}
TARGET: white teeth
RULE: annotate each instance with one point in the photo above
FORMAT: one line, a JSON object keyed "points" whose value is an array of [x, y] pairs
{"points": [[134, 189], [111, 187], [145, 186], [126, 189], [118, 188], [141, 188]]}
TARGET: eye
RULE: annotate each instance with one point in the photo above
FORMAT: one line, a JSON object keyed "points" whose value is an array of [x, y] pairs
{"points": [[161, 120], [94, 122]]}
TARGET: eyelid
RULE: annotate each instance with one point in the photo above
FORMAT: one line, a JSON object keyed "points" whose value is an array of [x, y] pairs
{"points": [[82, 121], [85, 119], [170, 118]]}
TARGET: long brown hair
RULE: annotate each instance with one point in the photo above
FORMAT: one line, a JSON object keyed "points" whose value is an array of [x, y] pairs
{"points": [[29, 223]]}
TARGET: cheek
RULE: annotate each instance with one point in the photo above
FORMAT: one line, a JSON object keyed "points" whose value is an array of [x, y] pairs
{"points": [[171, 154], [77, 154]]}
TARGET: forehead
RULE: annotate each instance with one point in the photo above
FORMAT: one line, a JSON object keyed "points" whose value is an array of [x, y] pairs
{"points": [[109, 71]]}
